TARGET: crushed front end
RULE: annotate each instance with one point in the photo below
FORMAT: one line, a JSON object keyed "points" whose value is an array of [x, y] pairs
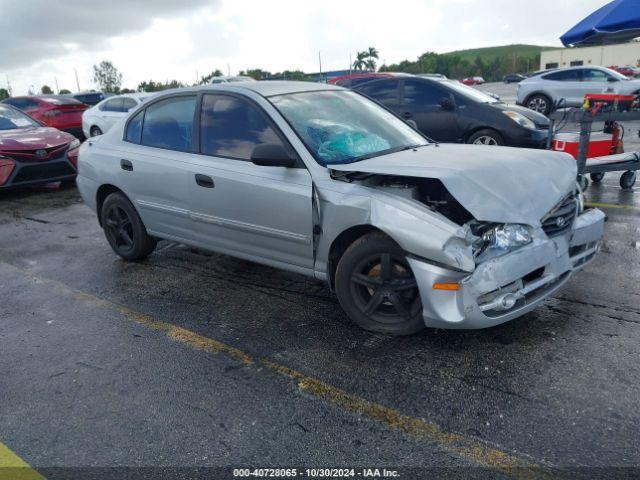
{"points": [[506, 285]]}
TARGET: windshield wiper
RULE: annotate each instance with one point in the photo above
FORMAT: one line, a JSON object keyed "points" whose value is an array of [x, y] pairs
{"points": [[388, 151]]}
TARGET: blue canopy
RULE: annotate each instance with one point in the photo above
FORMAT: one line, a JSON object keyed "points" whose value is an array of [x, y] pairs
{"points": [[618, 21]]}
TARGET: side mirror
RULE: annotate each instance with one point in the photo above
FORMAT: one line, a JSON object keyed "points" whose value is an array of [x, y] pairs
{"points": [[412, 124], [272, 155], [447, 104]]}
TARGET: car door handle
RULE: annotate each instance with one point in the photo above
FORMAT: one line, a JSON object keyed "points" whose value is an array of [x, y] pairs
{"points": [[126, 165], [407, 115], [204, 181]]}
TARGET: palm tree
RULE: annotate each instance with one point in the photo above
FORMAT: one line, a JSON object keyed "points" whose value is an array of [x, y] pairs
{"points": [[370, 64], [373, 53], [359, 63]]}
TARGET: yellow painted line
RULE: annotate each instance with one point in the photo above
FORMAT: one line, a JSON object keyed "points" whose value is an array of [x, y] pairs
{"points": [[469, 448], [610, 205], [12, 467]]}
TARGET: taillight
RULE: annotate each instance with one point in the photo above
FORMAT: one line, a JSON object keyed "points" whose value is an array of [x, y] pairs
{"points": [[6, 168]]}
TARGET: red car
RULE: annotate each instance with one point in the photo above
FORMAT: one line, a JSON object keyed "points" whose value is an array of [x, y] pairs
{"points": [[63, 113], [32, 153], [627, 71], [473, 81]]}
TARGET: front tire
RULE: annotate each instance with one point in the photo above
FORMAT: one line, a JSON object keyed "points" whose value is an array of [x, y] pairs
{"points": [[124, 229], [376, 287], [486, 137]]}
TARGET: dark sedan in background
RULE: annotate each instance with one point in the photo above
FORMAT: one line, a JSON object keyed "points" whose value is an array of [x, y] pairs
{"points": [[34, 154], [448, 111]]}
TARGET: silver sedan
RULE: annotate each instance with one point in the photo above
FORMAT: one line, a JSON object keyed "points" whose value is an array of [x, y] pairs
{"points": [[322, 181]]}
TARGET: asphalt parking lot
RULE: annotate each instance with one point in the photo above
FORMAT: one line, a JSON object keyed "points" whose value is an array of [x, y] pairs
{"points": [[191, 359]]}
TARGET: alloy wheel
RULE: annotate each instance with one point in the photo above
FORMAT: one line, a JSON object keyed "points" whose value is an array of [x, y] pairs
{"points": [[119, 228], [385, 289], [538, 104], [485, 140]]}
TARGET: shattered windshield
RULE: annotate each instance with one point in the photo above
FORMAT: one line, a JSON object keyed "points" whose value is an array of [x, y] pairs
{"points": [[343, 127]]}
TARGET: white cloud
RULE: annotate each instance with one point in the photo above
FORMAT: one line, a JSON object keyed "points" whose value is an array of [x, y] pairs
{"points": [[170, 39]]}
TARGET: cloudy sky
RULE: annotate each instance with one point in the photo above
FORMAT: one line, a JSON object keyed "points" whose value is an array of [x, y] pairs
{"points": [[45, 40]]}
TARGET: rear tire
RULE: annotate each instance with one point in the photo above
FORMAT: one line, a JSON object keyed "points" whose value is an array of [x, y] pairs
{"points": [[376, 287], [539, 103], [487, 137], [124, 229]]}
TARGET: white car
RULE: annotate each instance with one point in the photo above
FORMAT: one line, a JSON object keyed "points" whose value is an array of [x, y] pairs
{"points": [[569, 86], [231, 79], [101, 117]]}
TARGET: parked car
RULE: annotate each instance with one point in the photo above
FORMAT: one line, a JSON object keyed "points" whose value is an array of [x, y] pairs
{"points": [[232, 79], [542, 92], [100, 118], [56, 111], [447, 111], [513, 78], [32, 153], [90, 98], [321, 181], [353, 79], [627, 71], [470, 81]]}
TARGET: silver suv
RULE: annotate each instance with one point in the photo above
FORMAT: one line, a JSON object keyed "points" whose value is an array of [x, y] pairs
{"points": [[570, 85], [324, 182]]}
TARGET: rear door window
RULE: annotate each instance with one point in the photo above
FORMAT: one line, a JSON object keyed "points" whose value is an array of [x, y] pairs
{"points": [[383, 91], [168, 123], [564, 76], [421, 94], [113, 105]]}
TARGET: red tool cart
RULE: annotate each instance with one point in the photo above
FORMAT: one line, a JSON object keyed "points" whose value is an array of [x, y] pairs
{"points": [[598, 153]]}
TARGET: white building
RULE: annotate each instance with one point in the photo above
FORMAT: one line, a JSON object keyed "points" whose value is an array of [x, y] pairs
{"points": [[605, 56]]}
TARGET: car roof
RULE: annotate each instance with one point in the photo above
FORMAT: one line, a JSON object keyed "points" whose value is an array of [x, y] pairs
{"points": [[266, 88]]}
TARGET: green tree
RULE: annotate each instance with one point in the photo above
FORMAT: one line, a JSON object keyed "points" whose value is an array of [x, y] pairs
{"points": [[4, 93], [64, 91], [207, 78], [46, 90], [127, 90], [256, 73], [359, 62], [107, 77], [152, 86]]}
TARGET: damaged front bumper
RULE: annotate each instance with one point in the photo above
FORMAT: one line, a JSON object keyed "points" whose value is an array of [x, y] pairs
{"points": [[511, 285]]}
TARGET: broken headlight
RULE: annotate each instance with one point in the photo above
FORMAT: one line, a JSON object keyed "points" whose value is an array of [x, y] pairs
{"points": [[502, 238]]}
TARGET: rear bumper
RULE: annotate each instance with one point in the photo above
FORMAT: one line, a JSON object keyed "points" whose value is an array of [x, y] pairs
{"points": [[526, 277], [26, 174]]}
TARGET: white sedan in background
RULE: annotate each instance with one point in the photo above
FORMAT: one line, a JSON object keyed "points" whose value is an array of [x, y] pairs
{"points": [[102, 116]]}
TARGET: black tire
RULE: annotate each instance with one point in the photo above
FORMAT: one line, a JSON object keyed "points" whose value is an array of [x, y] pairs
{"points": [[95, 131], [486, 136], [628, 180], [376, 288], [597, 177], [124, 229], [539, 103]]}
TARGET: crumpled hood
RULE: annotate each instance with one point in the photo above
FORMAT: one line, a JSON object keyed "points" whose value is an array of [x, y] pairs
{"points": [[495, 184]]}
